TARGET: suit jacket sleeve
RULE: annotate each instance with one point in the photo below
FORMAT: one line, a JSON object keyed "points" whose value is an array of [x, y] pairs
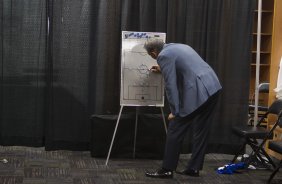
{"points": [[169, 74]]}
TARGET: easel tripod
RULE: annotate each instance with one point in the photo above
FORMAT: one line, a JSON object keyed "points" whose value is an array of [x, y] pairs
{"points": [[135, 132]]}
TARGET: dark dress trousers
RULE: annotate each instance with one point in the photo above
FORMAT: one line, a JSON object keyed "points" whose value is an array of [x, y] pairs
{"points": [[192, 90]]}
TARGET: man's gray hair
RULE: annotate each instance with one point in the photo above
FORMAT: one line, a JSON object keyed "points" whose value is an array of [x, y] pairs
{"points": [[154, 44]]}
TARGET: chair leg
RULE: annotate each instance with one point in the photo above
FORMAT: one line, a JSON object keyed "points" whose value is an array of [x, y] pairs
{"points": [[268, 158], [274, 172], [258, 151], [264, 161], [255, 151], [238, 153]]}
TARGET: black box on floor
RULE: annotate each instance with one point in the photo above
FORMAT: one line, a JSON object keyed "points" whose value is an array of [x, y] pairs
{"points": [[150, 137]]}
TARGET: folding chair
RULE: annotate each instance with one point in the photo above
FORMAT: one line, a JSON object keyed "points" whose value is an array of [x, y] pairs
{"points": [[275, 145], [251, 135]]}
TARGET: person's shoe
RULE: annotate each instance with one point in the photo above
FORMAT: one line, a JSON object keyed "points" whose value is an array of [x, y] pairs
{"points": [[160, 173], [189, 172]]}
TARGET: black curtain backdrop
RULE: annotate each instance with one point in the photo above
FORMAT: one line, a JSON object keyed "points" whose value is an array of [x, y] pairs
{"points": [[60, 63], [22, 72]]}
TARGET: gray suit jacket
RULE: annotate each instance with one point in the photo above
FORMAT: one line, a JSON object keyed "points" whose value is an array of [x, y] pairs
{"points": [[189, 80]]}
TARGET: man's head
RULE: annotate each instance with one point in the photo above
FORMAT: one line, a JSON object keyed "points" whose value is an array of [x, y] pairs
{"points": [[154, 47]]}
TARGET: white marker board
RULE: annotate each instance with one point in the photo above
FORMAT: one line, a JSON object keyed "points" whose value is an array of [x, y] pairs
{"points": [[139, 86]]}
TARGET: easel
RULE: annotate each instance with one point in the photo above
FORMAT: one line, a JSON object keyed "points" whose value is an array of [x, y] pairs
{"points": [[133, 43], [135, 133]]}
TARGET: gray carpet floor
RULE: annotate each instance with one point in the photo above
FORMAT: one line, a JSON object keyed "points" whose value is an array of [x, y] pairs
{"points": [[36, 166]]}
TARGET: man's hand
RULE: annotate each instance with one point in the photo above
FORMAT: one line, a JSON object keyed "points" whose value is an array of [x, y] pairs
{"points": [[155, 68], [170, 116]]}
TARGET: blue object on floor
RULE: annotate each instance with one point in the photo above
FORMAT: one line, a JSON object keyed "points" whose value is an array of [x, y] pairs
{"points": [[231, 168]]}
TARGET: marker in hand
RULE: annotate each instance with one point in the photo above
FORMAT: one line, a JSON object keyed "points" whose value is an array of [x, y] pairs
{"points": [[155, 68]]}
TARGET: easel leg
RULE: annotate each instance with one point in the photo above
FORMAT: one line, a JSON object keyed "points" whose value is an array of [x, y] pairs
{"points": [[135, 132], [109, 153], [164, 119]]}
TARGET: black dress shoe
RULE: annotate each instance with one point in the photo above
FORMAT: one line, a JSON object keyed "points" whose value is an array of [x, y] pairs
{"points": [[160, 173], [189, 172]]}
